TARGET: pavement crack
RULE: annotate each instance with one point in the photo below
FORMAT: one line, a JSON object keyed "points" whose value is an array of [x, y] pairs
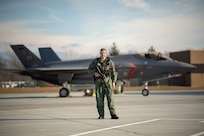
{"points": [[132, 132]]}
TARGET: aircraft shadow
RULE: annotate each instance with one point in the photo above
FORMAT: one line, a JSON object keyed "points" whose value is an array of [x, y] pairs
{"points": [[169, 93], [46, 119], [38, 97]]}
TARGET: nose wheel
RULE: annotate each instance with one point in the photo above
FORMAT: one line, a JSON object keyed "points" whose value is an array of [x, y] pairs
{"points": [[145, 92]]}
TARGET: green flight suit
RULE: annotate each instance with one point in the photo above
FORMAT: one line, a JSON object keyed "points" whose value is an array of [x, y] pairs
{"points": [[107, 67]]}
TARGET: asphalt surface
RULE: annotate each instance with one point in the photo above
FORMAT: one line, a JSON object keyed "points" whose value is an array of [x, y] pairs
{"points": [[172, 113]]}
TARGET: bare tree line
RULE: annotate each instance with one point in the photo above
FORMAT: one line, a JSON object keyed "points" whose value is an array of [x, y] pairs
{"points": [[11, 62]]}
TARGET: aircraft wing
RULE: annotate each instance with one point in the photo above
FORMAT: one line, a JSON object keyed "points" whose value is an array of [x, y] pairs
{"points": [[74, 70], [12, 70], [57, 75]]}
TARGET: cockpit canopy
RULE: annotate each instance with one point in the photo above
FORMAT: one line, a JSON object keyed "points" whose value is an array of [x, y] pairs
{"points": [[155, 56]]}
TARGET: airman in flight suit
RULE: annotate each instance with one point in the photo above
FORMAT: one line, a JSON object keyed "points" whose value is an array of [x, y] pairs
{"points": [[105, 76]]}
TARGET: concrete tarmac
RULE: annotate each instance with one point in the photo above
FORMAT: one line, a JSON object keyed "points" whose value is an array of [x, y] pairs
{"points": [[162, 113]]}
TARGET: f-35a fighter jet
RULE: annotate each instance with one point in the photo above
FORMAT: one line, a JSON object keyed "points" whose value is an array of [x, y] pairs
{"points": [[146, 67]]}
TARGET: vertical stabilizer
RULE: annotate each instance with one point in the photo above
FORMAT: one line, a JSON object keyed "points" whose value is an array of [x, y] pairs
{"points": [[27, 58], [48, 55]]}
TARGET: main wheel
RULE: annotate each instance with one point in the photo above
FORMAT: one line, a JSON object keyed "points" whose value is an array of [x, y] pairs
{"points": [[88, 92], [145, 92], [64, 92]]}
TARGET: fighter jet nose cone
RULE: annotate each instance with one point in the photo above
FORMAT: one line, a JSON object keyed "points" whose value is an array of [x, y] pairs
{"points": [[192, 67], [182, 67], [187, 67]]}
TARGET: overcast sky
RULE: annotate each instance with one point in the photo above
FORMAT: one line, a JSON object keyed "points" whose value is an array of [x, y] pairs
{"points": [[85, 26]]}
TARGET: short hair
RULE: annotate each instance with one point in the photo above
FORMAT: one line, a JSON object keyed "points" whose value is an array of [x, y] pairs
{"points": [[103, 49]]}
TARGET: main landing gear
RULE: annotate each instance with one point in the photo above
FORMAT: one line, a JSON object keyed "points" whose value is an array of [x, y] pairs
{"points": [[145, 91], [64, 92], [88, 92]]}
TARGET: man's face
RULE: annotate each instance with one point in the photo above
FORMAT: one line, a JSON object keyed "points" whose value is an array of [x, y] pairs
{"points": [[103, 54]]}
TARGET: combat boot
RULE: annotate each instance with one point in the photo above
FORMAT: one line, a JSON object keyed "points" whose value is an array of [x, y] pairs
{"points": [[114, 117], [101, 117]]}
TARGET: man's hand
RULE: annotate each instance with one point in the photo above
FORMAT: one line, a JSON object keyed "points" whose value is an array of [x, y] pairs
{"points": [[113, 86], [97, 74]]}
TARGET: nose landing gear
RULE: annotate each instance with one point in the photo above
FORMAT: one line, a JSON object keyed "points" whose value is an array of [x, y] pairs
{"points": [[145, 91]]}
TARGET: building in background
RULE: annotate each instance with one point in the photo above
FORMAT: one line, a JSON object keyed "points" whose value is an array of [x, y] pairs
{"points": [[195, 78]]}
